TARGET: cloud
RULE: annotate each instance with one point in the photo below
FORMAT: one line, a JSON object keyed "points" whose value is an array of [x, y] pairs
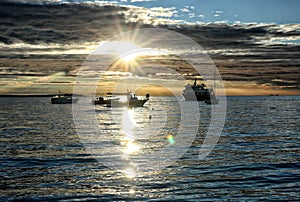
{"points": [[34, 1], [242, 52], [76, 23], [141, 0], [58, 23]]}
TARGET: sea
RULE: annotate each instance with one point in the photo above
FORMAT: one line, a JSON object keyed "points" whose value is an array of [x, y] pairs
{"points": [[47, 153]]}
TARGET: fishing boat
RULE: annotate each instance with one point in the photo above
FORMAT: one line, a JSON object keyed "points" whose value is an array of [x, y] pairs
{"points": [[200, 92], [132, 101], [105, 100], [213, 98], [63, 99], [196, 92]]}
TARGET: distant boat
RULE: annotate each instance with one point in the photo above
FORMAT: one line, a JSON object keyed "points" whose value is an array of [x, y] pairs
{"points": [[200, 92], [132, 101], [63, 99], [105, 100]]}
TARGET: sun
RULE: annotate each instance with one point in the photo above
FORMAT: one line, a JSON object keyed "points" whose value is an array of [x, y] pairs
{"points": [[122, 49], [129, 56], [127, 50]]}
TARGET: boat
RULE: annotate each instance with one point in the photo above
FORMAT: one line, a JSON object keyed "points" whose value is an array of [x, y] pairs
{"points": [[196, 92], [63, 99], [200, 92], [105, 100], [132, 101], [213, 98]]}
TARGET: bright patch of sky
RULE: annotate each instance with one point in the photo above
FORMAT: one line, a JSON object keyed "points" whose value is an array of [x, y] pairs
{"points": [[230, 11]]}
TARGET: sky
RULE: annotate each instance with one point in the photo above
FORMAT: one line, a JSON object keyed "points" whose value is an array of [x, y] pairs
{"points": [[266, 11], [230, 10], [254, 44]]}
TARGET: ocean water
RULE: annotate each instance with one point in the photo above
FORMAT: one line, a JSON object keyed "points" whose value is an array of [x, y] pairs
{"points": [[257, 157]]}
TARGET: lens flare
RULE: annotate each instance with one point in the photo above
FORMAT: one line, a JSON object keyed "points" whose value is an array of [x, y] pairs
{"points": [[128, 57], [171, 138]]}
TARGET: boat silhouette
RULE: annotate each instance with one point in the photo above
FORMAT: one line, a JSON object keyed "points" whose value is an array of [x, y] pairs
{"points": [[112, 101], [63, 99], [105, 100], [199, 92]]}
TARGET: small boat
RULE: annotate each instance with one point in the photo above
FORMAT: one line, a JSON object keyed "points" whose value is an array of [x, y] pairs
{"points": [[105, 100], [132, 101], [63, 99], [200, 92]]}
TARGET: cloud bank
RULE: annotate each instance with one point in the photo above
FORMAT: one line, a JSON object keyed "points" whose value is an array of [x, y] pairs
{"points": [[267, 54]]}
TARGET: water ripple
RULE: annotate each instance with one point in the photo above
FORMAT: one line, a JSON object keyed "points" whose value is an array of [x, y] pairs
{"points": [[256, 158]]}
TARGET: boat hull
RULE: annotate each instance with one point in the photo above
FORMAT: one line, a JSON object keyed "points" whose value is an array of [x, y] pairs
{"points": [[103, 101], [131, 103], [196, 96], [197, 92], [63, 100]]}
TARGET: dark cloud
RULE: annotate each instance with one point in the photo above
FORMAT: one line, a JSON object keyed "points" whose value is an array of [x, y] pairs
{"points": [[58, 23], [69, 23], [242, 52]]}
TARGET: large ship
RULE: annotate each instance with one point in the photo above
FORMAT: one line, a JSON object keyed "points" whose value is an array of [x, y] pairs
{"points": [[200, 92]]}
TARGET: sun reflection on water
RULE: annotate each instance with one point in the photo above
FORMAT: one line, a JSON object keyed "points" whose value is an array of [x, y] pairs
{"points": [[128, 123], [129, 172], [128, 141], [131, 148], [131, 191]]}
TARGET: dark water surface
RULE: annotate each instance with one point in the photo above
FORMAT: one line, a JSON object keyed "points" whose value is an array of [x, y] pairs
{"points": [[257, 156]]}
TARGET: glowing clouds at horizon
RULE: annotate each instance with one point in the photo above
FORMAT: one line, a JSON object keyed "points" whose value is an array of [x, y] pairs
{"points": [[116, 47]]}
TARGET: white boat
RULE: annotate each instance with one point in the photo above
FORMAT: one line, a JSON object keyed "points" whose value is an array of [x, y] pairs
{"points": [[132, 101]]}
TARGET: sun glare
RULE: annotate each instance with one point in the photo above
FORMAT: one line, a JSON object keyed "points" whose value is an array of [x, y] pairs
{"points": [[123, 49], [126, 50], [129, 57]]}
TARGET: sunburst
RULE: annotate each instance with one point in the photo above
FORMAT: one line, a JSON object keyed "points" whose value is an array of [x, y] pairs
{"points": [[126, 50]]}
